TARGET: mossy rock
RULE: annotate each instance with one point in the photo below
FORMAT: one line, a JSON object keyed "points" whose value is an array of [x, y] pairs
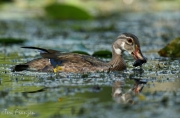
{"points": [[102, 53], [11, 41], [80, 52], [171, 49], [65, 12]]}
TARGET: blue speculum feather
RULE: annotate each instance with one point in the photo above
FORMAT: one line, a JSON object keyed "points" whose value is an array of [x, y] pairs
{"points": [[55, 63]]}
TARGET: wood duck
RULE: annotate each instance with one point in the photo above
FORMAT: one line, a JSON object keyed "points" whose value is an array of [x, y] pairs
{"points": [[56, 61]]}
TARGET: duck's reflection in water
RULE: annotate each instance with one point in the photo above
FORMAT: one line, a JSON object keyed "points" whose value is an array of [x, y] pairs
{"points": [[126, 97]]}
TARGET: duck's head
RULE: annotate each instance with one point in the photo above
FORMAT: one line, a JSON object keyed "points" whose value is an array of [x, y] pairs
{"points": [[129, 42]]}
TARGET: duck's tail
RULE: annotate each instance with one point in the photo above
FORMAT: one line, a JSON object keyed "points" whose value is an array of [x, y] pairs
{"points": [[20, 67]]}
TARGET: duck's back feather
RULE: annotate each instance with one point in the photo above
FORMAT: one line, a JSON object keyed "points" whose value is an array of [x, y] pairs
{"points": [[71, 62], [68, 62]]}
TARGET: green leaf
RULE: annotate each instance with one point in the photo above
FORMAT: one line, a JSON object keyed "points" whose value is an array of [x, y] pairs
{"points": [[64, 12], [10, 41], [102, 53]]}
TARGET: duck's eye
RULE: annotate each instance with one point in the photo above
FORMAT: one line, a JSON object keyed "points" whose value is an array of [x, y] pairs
{"points": [[129, 40]]}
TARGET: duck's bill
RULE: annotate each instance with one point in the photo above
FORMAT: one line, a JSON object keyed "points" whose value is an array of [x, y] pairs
{"points": [[140, 59]]}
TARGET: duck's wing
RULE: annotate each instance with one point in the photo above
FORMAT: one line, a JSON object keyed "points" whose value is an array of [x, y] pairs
{"points": [[70, 61], [58, 55], [48, 54], [40, 63]]}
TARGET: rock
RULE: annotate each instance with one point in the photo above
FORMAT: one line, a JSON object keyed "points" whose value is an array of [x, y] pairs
{"points": [[171, 49]]}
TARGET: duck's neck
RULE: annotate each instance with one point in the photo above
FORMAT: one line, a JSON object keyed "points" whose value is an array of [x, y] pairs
{"points": [[117, 61]]}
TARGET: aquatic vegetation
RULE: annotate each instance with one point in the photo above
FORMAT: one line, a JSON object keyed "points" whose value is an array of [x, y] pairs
{"points": [[65, 11], [10, 41], [102, 53]]}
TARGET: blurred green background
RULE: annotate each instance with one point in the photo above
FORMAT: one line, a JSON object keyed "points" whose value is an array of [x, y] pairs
{"points": [[81, 9]]}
